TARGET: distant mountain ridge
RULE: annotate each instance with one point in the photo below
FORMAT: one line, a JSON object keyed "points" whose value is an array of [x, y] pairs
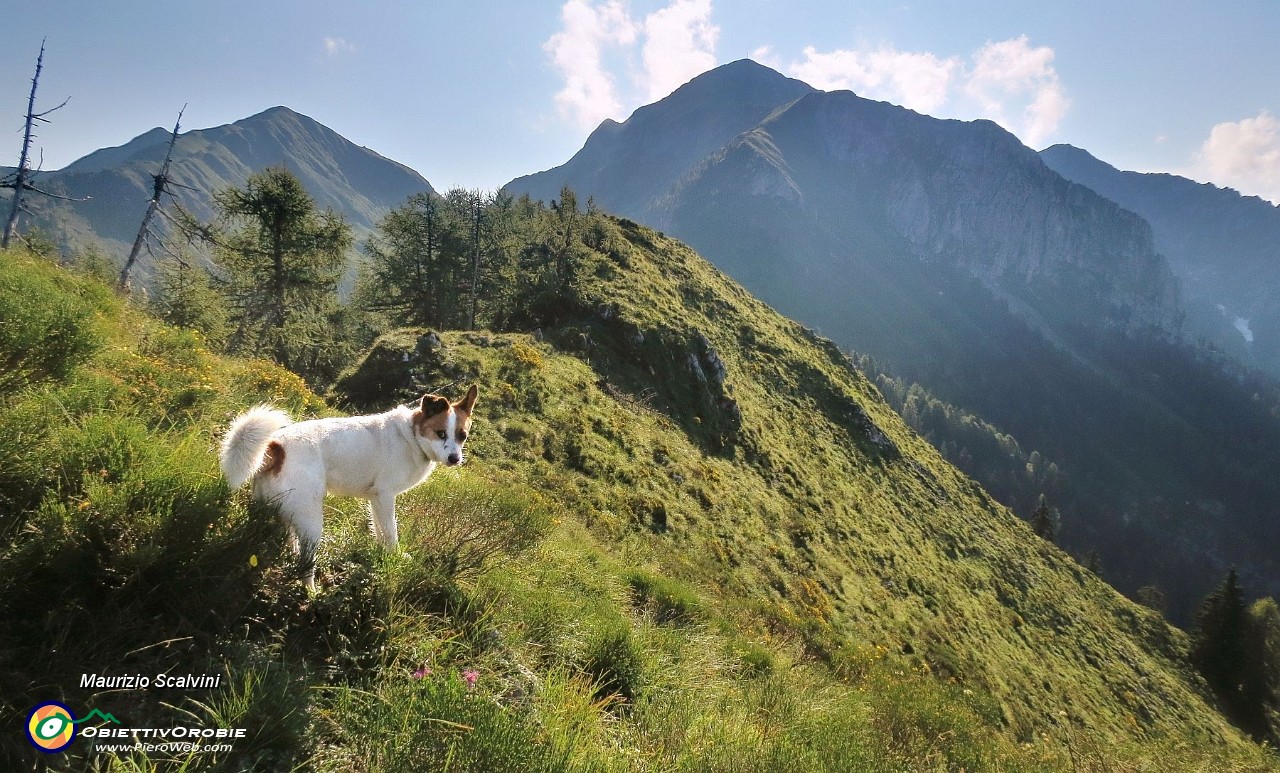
{"points": [[106, 158], [632, 163], [953, 253], [805, 146], [352, 180], [1224, 246]]}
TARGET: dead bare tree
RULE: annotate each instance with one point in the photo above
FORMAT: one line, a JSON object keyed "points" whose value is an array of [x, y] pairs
{"points": [[20, 181], [159, 188]]}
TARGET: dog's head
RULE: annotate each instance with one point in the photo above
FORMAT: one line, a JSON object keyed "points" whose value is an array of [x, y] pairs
{"points": [[441, 427]]}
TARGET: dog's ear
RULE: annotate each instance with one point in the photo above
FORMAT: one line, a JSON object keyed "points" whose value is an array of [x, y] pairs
{"points": [[467, 403], [433, 404]]}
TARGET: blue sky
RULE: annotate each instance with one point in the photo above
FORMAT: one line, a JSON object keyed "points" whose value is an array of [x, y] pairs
{"points": [[476, 94]]}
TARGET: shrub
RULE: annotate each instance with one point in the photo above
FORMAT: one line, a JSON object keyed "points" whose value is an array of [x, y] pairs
{"points": [[45, 327], [755, 659], [614, 660], [433, 723], [269, 700], [398, 367], [459, 524], [671, 601]]}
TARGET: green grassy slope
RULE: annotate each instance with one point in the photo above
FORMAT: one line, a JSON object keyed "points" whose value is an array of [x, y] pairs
{"points": [[818, 505], [641, 570]]}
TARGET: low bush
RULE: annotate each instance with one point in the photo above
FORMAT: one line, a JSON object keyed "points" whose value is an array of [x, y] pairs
{"points": [[433, 722], [46, 328], [670, 601], [615, 661], [457, 524]]}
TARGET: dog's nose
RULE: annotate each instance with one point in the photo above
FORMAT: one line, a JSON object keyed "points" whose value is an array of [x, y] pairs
{"points": [[454, 459]]}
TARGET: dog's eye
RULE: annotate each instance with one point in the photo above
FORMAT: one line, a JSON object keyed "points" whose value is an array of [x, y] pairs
{"points": [[462, 437], [441, 434]]}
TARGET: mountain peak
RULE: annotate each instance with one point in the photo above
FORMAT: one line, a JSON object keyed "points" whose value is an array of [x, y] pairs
{"points": [[743, 68], [664, 140], [1064, 154], [357, 182], [106, 158], [278, 110], [285, 115], [736, 79]]}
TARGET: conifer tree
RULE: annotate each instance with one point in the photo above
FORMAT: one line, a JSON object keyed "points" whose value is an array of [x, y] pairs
{"points": [[1152, 597], [415, 264], [1044, 521], [184, 295], [1220, 649], [1263, 687], [283, 258], [1218, 640], [160, 186]]}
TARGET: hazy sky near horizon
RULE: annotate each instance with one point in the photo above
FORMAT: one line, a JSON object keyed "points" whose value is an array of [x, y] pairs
{"points": [[476, 94]]}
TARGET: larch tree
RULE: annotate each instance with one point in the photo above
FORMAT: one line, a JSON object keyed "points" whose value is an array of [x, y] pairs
{"points": [[283, 258], [414, 261]]}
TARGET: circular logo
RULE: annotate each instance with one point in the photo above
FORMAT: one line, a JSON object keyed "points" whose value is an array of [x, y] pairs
{"points": [[50, 727]]}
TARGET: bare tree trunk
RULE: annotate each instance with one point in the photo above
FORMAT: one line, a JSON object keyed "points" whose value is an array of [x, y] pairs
{"points": [[161, 180], [11, 228], [21, 179]]}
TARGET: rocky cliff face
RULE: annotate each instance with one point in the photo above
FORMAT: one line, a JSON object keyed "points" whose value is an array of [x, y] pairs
{"points": [[965, 194], [1222, 246]]}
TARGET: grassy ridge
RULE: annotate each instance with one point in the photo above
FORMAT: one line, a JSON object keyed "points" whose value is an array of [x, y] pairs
{"points": [[629, 575], [822, 509]]}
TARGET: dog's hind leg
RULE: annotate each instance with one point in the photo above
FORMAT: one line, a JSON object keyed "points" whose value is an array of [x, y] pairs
{"points": [[305, 515], [382, 520]]}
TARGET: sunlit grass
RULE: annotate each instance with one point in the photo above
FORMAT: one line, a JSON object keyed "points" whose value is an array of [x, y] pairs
{"points": [[605, 586]]}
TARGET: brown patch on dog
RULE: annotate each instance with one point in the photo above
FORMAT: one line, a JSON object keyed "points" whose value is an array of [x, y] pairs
{"points": [[464, 408], [429, 425], [467, 403], [464, 426], [430, 407], [273, 460]]}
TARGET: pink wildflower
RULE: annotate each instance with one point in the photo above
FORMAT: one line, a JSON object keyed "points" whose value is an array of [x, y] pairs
{"points": [[422, 672], [471, 675]]}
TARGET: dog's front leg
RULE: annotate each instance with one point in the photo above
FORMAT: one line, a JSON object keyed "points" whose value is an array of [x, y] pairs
{"points": [[382, 520]]}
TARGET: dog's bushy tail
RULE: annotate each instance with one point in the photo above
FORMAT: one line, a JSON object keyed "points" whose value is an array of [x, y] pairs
{"points": [[245, 443]]}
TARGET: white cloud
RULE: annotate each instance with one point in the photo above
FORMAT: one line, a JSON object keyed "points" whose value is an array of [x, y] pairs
{"points": [[335, 46], [671, 45], [1009, 82], [588, 96], [766, 56], [1010, 75], [680, 42], [919, 81], [1244, 155]]}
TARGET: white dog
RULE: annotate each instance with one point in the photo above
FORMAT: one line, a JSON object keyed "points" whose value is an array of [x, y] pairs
{"points": [[375, 457]]}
